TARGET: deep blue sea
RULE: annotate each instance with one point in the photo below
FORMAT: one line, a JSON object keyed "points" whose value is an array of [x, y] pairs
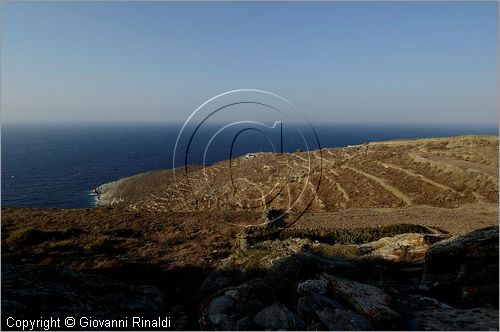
{"points": [[58, 165]]}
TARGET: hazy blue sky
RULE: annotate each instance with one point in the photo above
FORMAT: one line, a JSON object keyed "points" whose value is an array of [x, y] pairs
{"points": [[341, 62]]}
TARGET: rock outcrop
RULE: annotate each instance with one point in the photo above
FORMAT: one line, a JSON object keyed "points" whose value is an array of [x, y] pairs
{"points": [[464, 269], [367, 300], [428, 314], [402, 247], [34, 290], [380, 286]]}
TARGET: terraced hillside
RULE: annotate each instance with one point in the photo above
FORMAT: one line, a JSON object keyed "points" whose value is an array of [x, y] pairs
{"points": [[435, 172]]}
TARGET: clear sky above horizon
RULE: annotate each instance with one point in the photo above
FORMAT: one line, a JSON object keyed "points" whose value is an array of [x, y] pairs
{"points": [[376, 62]]}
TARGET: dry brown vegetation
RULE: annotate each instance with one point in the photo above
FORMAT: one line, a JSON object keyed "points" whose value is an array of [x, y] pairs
{"points": [[441, 172], [450, 183]]}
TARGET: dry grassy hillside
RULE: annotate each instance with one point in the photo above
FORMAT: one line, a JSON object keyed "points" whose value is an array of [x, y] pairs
{"points": [[435, 172]]}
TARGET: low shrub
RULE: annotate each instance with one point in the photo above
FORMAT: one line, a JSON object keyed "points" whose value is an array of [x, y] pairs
{"points": [[99, 246], [27, 236], [62, 245]]}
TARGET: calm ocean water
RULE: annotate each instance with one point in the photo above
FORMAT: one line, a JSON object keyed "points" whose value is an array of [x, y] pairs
{"points": [[57, 166]]}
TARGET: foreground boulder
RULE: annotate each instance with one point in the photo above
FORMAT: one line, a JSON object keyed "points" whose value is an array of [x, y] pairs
{"points": [[367, 300], [428, 314], [277, 316], [464, 269], [32, 291], [381, 285], [343, 320]]}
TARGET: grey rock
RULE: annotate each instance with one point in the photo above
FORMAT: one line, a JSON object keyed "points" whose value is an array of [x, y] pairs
{"points": [[218, 309], [464, 269], [243, 324], [313, 302], [327, 317], [69, 293], [367, 300], [307, 304], [233, 293], [326, 301], [428, 314], [352, 321], [217, 280], [277, 316], [479, 319], [313, 285], [344, 320], [219, 319], [314, 324]]}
